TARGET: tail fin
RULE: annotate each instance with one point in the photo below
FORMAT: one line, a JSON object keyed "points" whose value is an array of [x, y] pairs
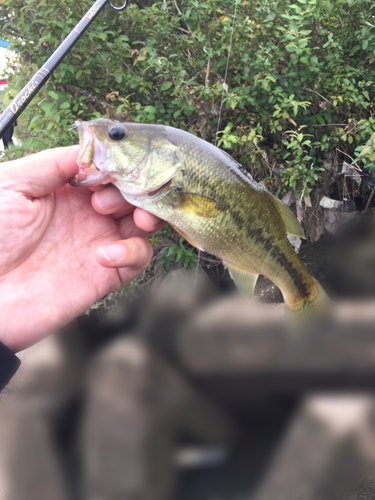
{"points": [[311, 310]]}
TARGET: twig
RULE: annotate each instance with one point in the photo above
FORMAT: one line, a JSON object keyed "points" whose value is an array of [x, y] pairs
{"points": [[178, 10], [208, 69], [211, 261], [182, 29], [207, 81], [346, 154], [369, 200], [320, 95], [129, 68], [331, 125], [202, 72], [153, 278]]}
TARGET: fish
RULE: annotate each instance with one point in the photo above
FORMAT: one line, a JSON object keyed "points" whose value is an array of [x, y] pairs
{"points": [[207, 197]]}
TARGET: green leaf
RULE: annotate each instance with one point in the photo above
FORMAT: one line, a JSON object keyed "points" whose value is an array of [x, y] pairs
{"points": [[291, 47], [46, 107], [221, 62], [65, 105], [265, 85], [149, 109], [365, 150], [166, 85], [53, 95]]}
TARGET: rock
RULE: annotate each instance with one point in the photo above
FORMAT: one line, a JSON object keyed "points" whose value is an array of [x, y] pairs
{"points": [[29, 465], [137, 410], [336, 431]]}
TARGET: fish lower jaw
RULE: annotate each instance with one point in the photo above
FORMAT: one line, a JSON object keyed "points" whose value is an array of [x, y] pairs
{"points": [[133, 196], [146, 193], [160, 189]]}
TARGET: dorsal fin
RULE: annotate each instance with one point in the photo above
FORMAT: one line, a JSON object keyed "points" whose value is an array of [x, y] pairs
{"points": [[292, 225]]}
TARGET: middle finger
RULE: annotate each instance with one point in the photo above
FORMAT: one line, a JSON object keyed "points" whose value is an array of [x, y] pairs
{"points": [[128, 228]]}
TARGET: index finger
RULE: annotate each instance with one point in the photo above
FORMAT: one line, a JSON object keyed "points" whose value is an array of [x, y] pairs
{"points": [[41, 173], [110, 201]]}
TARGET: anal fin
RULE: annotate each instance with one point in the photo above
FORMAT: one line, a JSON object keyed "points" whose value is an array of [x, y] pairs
{"points": [[244, 281]]}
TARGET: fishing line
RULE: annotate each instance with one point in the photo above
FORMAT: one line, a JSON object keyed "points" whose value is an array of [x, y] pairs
{"points": [[221, 107], [226, 70], [196, 268]]}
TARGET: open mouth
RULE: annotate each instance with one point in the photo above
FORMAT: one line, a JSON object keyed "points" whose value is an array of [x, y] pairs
{"points": [[90, 160], [161, 189]]}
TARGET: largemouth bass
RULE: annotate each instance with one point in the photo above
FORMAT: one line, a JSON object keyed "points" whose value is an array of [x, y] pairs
{"points": [[208, 197]]}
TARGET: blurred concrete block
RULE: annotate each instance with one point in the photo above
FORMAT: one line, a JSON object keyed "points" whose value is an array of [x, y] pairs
{"points": [[48, 377], [236, 338], [327, 453], [233, 335], [31, 407], [29, 467], [138, 411]]}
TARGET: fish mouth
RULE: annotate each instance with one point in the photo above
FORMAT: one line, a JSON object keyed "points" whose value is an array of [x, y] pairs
{"points": [[90, 159], [160, 189], [144, 193]]}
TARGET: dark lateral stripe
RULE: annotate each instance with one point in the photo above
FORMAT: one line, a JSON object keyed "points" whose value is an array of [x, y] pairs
{"points": [[237, 218], [277, 254]]}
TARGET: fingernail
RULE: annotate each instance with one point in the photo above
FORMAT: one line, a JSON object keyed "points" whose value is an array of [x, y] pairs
{"points": [[109, 199], [113, 253]]}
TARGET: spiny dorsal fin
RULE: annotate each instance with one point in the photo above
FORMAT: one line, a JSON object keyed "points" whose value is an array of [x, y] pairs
{"points": [[292, 225], [244, 281]]}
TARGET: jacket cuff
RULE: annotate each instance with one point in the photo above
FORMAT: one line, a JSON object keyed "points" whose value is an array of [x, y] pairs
{"points": [[9, 364]]}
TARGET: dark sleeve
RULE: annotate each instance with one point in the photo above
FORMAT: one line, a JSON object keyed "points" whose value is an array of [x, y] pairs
{"points": [[9, 364]]}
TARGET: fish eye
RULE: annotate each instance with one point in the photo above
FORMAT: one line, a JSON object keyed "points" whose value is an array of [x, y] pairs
{"points": [[117, 133]]}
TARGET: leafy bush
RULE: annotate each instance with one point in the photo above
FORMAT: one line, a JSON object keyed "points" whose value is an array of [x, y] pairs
{"points": [[300, 78], [178, 252]]}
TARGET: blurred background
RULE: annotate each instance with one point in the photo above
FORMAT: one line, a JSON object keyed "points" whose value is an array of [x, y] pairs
{"points": [[189, 392], [175, 388]]}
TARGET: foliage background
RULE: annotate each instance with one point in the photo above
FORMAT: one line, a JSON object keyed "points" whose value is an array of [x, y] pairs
{"points": [[299, 98]]}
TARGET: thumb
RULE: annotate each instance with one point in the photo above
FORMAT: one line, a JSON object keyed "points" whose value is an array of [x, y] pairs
{"points": [[41, 173]]}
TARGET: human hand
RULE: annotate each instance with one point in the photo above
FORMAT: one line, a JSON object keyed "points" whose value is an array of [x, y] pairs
{"points": [[61, 248]]}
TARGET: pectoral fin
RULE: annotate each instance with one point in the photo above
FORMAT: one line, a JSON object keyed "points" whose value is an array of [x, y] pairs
{"points": [[198, 204], [292, 225], [244, 281]]}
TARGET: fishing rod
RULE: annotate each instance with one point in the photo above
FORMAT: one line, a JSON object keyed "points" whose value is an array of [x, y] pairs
{"points": [[18, 105]]}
